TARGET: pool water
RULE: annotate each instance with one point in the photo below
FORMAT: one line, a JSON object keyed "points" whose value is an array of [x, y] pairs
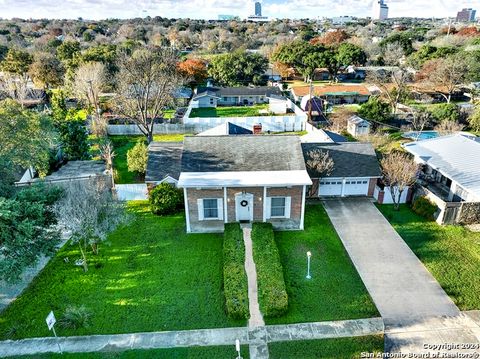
{"points": [[422, 135]]}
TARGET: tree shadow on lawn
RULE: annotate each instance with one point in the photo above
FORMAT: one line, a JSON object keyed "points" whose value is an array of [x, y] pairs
{"points": [[152, 277]]}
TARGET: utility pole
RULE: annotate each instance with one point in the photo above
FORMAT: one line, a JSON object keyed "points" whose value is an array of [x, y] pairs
{"points": [[310, 102]]}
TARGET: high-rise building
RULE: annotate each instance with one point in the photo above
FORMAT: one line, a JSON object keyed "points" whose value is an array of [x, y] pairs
{"points": [[466, 15], [258, 8], [380, 10]]}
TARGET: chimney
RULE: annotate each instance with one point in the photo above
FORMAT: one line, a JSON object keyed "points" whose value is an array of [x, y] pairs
{"points": [[209, 82], [257, 129]]}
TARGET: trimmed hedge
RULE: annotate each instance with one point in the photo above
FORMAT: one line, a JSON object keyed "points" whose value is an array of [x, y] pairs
{"points": [[424, 207], [272, 292], [235, 283]]}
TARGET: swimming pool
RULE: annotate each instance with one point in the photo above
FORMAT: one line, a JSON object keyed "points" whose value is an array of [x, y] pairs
{"points": [[421, 135]]}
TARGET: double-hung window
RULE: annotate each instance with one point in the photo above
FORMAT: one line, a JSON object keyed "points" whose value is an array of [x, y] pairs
{"points": [[278, 207], [210, 208]]}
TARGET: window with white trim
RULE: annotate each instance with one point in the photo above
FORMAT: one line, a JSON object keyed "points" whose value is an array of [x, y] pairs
{"points": [[277, 208], [210, 208]]}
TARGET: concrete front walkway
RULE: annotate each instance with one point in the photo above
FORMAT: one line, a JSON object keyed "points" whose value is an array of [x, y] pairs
{"points": [[189, 338], [413, 305], [259, 349]]}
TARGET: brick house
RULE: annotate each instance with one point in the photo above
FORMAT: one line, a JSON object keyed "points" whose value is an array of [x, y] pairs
{"points": [[243, 178]]}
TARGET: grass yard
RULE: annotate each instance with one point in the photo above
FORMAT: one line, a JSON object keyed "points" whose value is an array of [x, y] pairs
{"points": [[335, 291], [175, 353], [122, 144], [151, 276], [344, 348], [234, 111], [451, 253]]}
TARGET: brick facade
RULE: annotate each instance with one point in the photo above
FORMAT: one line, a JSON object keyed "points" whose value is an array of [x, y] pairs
{"points": [[196, 225]]}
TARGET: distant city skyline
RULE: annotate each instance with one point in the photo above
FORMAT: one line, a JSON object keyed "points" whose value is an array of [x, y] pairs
{"points": [[210, 9]]}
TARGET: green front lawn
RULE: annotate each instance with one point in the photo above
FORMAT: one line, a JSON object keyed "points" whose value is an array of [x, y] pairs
{"points": [[335, 291], [451, 253], [344, 348], [151, 276], [122, 144], [234, 111], [173, 353]]}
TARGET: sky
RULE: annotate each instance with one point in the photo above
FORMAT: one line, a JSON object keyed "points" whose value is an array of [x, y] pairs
{"points": [[210, 9]]}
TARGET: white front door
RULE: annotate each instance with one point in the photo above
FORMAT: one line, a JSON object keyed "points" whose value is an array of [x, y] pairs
{"points": [[244, 207]]}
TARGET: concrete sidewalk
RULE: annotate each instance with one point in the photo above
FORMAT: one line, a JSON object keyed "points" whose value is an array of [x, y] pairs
{"points": [[189, 338]]}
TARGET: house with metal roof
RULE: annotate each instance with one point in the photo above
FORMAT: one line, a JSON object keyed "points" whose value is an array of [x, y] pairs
{"points": [[450, 176], [451, 166]]}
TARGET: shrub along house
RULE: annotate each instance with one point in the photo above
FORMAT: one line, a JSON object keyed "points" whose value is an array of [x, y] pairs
{"points": [[243, 178]]}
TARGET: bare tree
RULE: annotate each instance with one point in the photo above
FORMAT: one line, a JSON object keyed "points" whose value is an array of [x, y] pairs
{"points": [[90, 79], [420, 118], [108, 154], [90, 212], [339, 119], [147, 82], [445, 75], [392, 83], [319, 164], [399, 172], [15, 86], [448, 127]]}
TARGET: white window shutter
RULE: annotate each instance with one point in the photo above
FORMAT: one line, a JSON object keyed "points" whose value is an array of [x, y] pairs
{"points": [[220, 208], [288, 206], [268, 207], [200, 209]]}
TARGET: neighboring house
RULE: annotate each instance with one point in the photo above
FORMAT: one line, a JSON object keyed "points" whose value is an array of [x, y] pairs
{"points": [[357, 126], [163, 165], [450, 175], [182, 96], [355, 173], [243, 178], [317, 105], [233, 96], [334, 94]]}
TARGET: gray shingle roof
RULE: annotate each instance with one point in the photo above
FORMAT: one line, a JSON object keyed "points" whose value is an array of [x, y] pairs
{"points": [[242, 153], [351, 159], [164, 159]]}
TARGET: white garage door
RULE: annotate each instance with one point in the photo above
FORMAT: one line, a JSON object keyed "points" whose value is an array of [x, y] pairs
{"points": [[356, 187], [330, 187]]}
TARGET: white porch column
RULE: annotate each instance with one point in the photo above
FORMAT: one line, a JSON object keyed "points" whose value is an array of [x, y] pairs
{"points": [[302, 215], [264, 204], [187, 212], [225, 205]]}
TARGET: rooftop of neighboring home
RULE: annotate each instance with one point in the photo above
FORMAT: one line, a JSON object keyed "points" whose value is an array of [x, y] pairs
{"points": [[351, 159], [239, 91], [455, 156], [230, 160], [225, 129], [331, 90], [164, 160]]}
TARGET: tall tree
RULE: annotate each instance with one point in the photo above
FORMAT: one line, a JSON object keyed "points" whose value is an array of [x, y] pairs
{"points": [[16, 62], [399, 172], [26, 136], [47, 71], [90, 212], [27, 229], [195, 70], [393, 84], [147, 82], [238, 68], [445, 75]]}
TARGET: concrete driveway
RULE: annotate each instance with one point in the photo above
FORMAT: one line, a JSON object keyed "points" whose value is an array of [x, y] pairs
{"points": [[398, 282], [415, 309]]}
